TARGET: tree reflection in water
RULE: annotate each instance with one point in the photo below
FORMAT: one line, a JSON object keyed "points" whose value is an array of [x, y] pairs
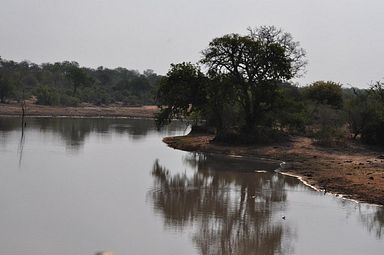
{"points": [[74, 131], [231, 212], [373, 221]]}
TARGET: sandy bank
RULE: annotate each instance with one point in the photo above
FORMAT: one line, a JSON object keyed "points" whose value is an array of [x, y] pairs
{"points": [[84, 110], [354, 170]]}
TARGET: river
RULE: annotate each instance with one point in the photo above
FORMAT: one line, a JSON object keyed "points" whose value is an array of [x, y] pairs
{"points": [[82, 186]]}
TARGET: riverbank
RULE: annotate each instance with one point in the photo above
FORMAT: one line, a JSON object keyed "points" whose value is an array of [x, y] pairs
{"points": [[85, 110], [354, 170]]}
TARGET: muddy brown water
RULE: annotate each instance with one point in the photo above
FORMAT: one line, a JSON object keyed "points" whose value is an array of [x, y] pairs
{"points": [[84, 186]]}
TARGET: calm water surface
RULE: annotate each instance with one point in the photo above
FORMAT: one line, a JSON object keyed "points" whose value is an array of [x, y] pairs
{"points": [[81, 186]]}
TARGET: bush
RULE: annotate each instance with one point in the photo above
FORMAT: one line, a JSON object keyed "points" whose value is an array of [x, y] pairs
{"points": [[67, 100], [95, 95], [47, 96], [325, 92], [365, 109], [6, 89], [291, 113], [328, 126]]}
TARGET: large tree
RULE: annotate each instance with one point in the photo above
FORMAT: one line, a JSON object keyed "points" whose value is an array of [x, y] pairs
{"points": [[256, 63]]}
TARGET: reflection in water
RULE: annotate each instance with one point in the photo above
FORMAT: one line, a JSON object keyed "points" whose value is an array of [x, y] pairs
{"points": [[373, 221], [231, 212], [6, 126], [20, 148], [74, 131], [217, 204]]}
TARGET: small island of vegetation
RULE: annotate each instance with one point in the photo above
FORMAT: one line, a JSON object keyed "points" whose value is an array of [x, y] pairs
{"points": [[244, 104]]}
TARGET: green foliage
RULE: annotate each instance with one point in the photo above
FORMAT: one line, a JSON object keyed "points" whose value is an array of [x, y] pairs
{"points": [[220, 110], [95, 95], [291, 112], [256, 64], [328, 125], [47, 96], [325, 114], [181, 93], [359, 110], [77, 76], [365, 113], [325, 92], [68, 78], [68, 100], [6, 89], [365, 110], [241, 96]]}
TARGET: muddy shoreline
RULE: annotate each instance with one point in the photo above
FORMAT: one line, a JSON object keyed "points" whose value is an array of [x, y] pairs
{"points": [[355, 171], [84, 110]]}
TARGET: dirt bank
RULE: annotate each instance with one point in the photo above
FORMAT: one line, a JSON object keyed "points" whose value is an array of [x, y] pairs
{"points": [[354, 170], [83, 110]]}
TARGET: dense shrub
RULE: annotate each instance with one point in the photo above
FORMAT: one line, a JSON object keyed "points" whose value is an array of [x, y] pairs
{"points": [[47, 96], [67, 100], [99, 86], [325, 92], [365, 111], [95, 95], [6, 89]]}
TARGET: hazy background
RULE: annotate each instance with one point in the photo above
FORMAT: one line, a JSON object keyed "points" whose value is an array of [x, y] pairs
{"points": [[344, 38]]}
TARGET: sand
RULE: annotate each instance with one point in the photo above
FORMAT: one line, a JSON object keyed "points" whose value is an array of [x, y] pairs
{"points": [[85, 110], [354, 170]]}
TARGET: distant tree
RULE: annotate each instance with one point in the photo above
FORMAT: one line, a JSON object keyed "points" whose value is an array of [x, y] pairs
{"points": [[373, 129], [291, 113], [378, 89], [139, 85], [47, 96], [256, 63], [75, 84], [358, 106], [77, 76], [325, 92], [324, 102], [6, 88]]}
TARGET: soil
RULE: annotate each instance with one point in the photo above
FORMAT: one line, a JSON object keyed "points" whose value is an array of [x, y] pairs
{"points": [[353, 170], [86, 110]]}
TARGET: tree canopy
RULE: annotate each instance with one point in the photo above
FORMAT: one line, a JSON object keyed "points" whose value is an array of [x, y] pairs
{"points": [[325, 92], [66, 83], [245, 70], [181, 92], [245, 95], [256, 63]]}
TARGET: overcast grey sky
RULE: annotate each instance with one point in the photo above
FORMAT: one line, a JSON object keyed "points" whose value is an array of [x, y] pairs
{"points": [[344, 39]]}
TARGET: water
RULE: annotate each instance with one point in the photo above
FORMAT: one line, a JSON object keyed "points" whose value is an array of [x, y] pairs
{"points": [[82, 186]]}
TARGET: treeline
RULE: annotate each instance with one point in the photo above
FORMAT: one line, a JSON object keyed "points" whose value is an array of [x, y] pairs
{"points": [[245, 95], [66, 83]]}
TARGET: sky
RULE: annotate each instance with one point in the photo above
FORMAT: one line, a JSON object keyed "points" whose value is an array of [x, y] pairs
{"points": [[344, 39]]}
